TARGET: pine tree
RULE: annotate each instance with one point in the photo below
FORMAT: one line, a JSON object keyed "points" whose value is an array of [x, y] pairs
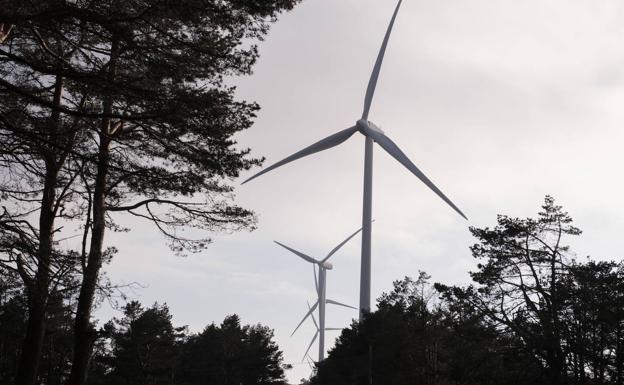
{"points": [[144, 346], [231, 354]]}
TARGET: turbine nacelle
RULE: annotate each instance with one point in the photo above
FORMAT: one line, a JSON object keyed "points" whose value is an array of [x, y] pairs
{"points": [[326, 265], [365, 126]]}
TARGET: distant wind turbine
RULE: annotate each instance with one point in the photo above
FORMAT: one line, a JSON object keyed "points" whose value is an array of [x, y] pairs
{"points": [[373, 134], [318, 331], [321, 291]]}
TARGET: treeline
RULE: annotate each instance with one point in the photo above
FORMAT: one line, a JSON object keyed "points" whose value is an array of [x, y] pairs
{"points": [[534, 315], [142, 347]]}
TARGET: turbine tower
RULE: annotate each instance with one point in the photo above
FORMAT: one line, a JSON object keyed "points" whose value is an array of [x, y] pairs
{"points": [[321, 291], [372, 134]]}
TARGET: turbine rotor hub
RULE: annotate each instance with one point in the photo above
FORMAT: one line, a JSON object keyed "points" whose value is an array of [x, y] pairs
{"points": [[365, 126], [327, 265]]}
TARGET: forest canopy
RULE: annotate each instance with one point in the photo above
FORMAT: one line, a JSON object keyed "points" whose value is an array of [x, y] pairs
{"points": [[534, 315]]}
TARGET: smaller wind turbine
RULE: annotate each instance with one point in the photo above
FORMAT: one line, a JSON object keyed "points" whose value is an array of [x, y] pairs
{"points": [[318, 331], [321, 291], [311, 363]]}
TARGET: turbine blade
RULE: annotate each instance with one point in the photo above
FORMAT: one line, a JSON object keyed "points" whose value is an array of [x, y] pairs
{"points": [[313, 319], [323, 144], [394, 150], [300, 254], [341, 244], [372, 83], [304, 317], [316, 281], [331, 301], [309, 346]]}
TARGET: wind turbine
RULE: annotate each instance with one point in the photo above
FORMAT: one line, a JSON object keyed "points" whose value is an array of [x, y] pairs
{"points": [[321, 291], [372, 134], [318, 331]]}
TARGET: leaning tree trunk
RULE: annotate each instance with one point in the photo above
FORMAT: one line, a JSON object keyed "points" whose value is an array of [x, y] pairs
{"points": [[83, 335], [38, 295], [39, 287]]}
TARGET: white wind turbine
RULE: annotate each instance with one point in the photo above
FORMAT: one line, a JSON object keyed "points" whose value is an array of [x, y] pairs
{"points": [[321, 291], [372, 134], [321, 356]]}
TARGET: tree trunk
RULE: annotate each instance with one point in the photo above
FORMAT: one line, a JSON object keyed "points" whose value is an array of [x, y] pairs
{"points": [[618, 355], [582, 365], [370, 363], [556, 367], [32, 344], [38, 288], [83, 335]]}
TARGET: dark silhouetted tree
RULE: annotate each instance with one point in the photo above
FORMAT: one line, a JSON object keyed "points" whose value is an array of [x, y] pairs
{"points": [[231, 354], [522, 263], [415, 338], [12, 325], [57, 342], [594, 297], [566, 315], [143, 347]]}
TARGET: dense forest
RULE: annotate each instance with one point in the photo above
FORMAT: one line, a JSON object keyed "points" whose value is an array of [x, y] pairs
{"points": [[143, 347]]}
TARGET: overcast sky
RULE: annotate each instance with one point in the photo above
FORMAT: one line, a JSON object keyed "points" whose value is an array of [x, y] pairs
{"points": [[498, 102]]}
